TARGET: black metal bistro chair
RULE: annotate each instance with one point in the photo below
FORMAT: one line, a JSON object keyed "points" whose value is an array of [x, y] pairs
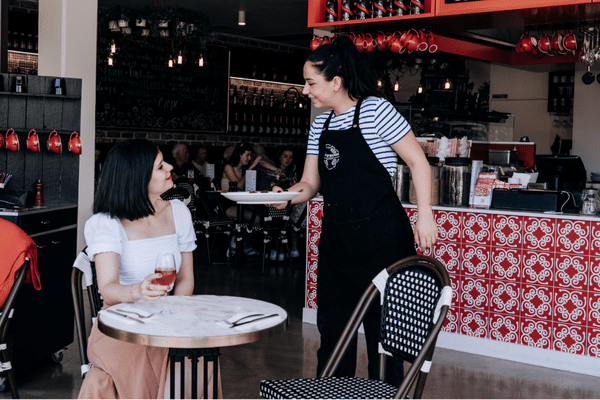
{"points": [[83, 276], [416, 295], [274, 226], [211, 219]]}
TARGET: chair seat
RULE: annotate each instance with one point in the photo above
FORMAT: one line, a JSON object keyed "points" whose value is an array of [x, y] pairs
{"points": [[327, 388]]}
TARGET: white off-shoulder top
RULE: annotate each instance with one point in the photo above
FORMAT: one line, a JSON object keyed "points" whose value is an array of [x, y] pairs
{"points": [[104, 234]]}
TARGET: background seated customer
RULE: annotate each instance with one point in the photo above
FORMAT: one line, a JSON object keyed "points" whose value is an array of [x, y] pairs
{"points": [[180, 162], [234, 173], [131, 225]]}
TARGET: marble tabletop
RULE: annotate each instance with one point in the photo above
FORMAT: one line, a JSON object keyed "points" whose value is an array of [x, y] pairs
{"points": [[202, 321]]}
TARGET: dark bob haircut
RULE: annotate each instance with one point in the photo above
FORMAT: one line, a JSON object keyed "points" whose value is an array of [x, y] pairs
{"points": [[123, 187], [342, 58]]}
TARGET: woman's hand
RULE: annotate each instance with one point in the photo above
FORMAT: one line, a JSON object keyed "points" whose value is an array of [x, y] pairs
{"points": [[426, 231], [151, 291], [278, 206]]}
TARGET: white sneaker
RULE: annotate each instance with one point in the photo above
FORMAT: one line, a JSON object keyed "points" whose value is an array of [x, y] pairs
{"points": [[294, 254], [281, 257], [273, 255]]}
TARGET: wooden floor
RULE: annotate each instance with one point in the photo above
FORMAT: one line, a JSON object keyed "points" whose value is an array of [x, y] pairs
{"points": [[292, 353]]}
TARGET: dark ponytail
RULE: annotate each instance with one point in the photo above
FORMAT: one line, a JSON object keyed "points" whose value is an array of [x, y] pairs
{"points": [[341, 58]]}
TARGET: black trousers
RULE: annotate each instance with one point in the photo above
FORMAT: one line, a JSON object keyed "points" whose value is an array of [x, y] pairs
{"points": [[331, 322]]}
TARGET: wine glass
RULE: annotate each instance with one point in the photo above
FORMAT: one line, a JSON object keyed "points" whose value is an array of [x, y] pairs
{"points": [[165, 265]]}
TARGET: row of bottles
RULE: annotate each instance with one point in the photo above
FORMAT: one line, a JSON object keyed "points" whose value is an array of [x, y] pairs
{"points": [[269, 124], [21, 41], [561, 101], [261, 108], [346, 10]]}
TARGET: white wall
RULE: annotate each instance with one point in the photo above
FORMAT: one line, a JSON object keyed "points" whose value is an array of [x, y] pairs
{"points": [[586, 119], [67, 48]]}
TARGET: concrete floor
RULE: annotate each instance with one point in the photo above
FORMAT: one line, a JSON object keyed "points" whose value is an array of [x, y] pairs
{"points": [[292, 353]]}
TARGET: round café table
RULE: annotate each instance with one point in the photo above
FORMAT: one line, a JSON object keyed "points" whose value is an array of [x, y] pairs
{"points": [[198, 326]]}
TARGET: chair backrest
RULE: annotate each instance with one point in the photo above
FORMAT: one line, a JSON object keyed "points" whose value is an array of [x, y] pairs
{"points": [[415, 294], [84, 275], [6, 312]]}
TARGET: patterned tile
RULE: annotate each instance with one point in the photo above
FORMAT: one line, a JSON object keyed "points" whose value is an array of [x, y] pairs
{"points": [[312, 242], [476, 261], [506, 263], [505, 298], [571, 306], [506, 231], [477, 228], [449, 227], [537, 302], [536, 333], [569, 338], [473, 323], [593, 343], [311, 297], [595, 238], [539, 233], [448, 254], [312, 264], [572, 271], [504, 328], [593, 314], [572, 236], [537, 267], [474, 293], [451, 323], [594, 281]]}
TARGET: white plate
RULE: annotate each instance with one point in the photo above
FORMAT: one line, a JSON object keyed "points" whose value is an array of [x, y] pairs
{"points": [[260, 198]]}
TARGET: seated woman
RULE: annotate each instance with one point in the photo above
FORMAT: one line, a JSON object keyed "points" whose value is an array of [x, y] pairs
{"points": [[131, 225], [234, 173], [285, 163]]}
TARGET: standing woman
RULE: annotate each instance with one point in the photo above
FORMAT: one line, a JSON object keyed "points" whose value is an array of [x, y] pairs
{"points": [[131, 225], [351, 159]]}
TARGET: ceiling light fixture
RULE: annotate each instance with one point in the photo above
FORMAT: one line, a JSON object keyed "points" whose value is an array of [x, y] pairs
{"points": [[420, 88], [397, 85], [379, 83], [448, 84], [241, 18], [201, 61]]}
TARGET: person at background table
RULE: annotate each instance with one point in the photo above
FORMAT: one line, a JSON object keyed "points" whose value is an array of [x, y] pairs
{"points": [[286, 165], [351, 159], [130, 226], [199, 162], [234, 173], [180, 162]]}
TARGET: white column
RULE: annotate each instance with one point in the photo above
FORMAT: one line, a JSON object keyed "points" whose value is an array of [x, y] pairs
{"points": [[67, 48]]}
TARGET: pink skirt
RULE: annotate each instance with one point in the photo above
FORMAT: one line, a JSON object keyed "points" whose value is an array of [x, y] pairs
{"points": [[126, 370]]}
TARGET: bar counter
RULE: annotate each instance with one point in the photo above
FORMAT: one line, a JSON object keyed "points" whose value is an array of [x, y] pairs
{"points": [[526, 284]]}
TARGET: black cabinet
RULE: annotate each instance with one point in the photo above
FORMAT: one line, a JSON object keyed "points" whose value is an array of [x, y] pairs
{"points": [[43, 320], [561, 86]]}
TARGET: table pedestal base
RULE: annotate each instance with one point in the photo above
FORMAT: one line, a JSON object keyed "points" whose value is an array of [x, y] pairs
{"points": [[179, 356]]}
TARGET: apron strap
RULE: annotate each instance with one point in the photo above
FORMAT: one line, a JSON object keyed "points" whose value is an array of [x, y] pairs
{"points": [[326, 124], [356, 113]]}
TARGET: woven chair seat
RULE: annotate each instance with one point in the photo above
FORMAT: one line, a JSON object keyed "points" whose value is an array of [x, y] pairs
{"points": [[327, 388]]}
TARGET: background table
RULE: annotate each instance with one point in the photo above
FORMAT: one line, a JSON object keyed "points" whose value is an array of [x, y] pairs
{"points": [[199, 322]]}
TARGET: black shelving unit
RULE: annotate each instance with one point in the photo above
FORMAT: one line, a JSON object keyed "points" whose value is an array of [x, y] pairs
{"points": [[560, 92]]}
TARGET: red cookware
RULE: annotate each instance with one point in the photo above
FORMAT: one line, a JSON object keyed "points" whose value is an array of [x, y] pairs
{"points": [[12, 140], [54, 143], [74, 145], [33, 141]]}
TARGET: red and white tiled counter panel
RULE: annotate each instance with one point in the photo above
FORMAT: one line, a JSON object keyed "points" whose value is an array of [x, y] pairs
{"points": [[524, 278]]}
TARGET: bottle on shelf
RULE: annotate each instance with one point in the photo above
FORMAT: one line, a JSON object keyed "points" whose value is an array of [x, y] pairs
{"points": [[262, 97], [361, 11], [30, 42], [271, 99], [233, 98], [331, 11], [15, 41], [416, 7], [245, 97], [22, 42], [397, 8], [554, 102], [564, 99], [346, 10], [254, 98], [379, 9]]}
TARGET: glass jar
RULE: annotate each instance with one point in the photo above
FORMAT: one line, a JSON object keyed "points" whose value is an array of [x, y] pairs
{"points": [[589, 201]]}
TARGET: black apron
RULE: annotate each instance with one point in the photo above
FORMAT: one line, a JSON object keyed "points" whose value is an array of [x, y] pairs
{"points": [[365, 228]]}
